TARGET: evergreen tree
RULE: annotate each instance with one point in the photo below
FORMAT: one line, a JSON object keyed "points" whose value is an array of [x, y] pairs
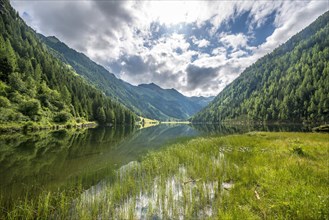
{"points": [[101, 117]]}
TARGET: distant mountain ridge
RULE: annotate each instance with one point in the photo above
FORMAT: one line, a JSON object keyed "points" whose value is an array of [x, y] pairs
{"points": [[291, 84], [148, 100]]}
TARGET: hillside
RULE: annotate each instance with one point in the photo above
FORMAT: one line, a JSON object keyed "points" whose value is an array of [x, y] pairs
{"points": [[291, 84], [37, 89], [148, 100]]}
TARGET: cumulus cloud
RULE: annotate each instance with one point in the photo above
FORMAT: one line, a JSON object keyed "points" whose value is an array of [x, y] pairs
{"points": [[200, 76], [236, 42], [288, 25], [164, 63], [200, 43], [196, 47]]}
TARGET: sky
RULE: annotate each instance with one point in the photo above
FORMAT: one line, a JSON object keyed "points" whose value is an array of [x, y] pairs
{"points": [[196, 47]]}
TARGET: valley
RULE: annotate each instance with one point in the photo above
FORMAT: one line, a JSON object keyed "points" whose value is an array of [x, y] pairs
{"points": [[215, 117], [148, 100]]}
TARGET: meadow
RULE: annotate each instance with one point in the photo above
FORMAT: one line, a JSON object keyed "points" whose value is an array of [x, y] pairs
{"points": [[257, 175]]}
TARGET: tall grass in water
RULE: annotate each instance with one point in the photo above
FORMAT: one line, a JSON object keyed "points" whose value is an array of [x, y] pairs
{"points": [[251, 176]]}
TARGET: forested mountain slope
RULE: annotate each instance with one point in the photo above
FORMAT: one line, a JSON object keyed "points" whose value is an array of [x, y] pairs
{"points": [[39, 88], [290, 84], [148, 100]]}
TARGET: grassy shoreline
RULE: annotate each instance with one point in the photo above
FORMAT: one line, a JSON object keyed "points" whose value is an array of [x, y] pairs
{"points": [[34, 126], [258, 175]]}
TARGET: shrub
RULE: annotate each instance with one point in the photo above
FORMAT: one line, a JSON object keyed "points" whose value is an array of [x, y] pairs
{"points": [[30, 108], [10, 115], [62, 117], [79, 120], [60, 105], [4, 102], [3, 88]]}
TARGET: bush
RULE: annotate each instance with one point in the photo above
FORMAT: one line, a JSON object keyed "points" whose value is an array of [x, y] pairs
{"points": [[7, 115], [60, 105], [62, 117], [16, 97], [79, 120], [3, 88], [4, 102], [30, 108]]}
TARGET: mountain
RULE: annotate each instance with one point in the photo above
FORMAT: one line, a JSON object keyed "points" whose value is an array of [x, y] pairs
{"points": [[170, 102], [38, 89], [148, 100], [201, 100], [291, 84]]}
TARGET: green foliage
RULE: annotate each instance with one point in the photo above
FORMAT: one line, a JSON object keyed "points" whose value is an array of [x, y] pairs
{"points": [[8, 60], [62, 117], [101, 117], [16, 83], [33, 82], [3, 88], [30, 108], [10, 115], [110, 116], [4, 102], [290, 84]]}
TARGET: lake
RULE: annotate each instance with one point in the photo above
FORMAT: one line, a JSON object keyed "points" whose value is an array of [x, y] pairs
{"points": [[51, 160]]}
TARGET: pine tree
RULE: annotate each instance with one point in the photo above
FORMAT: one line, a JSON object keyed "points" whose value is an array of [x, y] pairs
{"points": [[101, 117]]}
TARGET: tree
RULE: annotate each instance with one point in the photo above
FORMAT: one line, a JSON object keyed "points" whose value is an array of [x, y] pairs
{"points": [[62, 117], [110, 117], [5, 67], [11, 56], [101, 117], [30, 108], [66, 95], [17, 83], [4, 102]]}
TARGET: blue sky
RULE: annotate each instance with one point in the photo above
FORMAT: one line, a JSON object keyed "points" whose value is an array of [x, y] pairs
{"points": [[196, 47]]}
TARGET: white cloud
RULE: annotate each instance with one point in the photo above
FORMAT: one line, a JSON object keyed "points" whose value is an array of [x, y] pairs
{"points": [[165, 62], [290, 23], [218, 50], [200, 43], [118, 34], [237, 41]]}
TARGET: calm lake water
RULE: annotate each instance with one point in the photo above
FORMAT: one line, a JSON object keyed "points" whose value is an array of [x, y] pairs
{"points": [[49, 160]]}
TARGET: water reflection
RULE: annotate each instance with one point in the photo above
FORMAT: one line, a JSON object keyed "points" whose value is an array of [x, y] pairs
{"points": [[47, 160], [225, 129], [51, 159]]}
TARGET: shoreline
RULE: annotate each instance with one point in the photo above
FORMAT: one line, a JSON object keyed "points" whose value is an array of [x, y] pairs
{"points": [[31, 127]]}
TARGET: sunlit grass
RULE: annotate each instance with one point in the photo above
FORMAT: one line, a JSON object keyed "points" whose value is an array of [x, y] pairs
{"points": [[147, 122], [251, 176]]}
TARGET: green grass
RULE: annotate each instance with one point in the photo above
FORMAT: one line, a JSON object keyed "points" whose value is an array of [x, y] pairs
{"points": [[274, 176]]}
